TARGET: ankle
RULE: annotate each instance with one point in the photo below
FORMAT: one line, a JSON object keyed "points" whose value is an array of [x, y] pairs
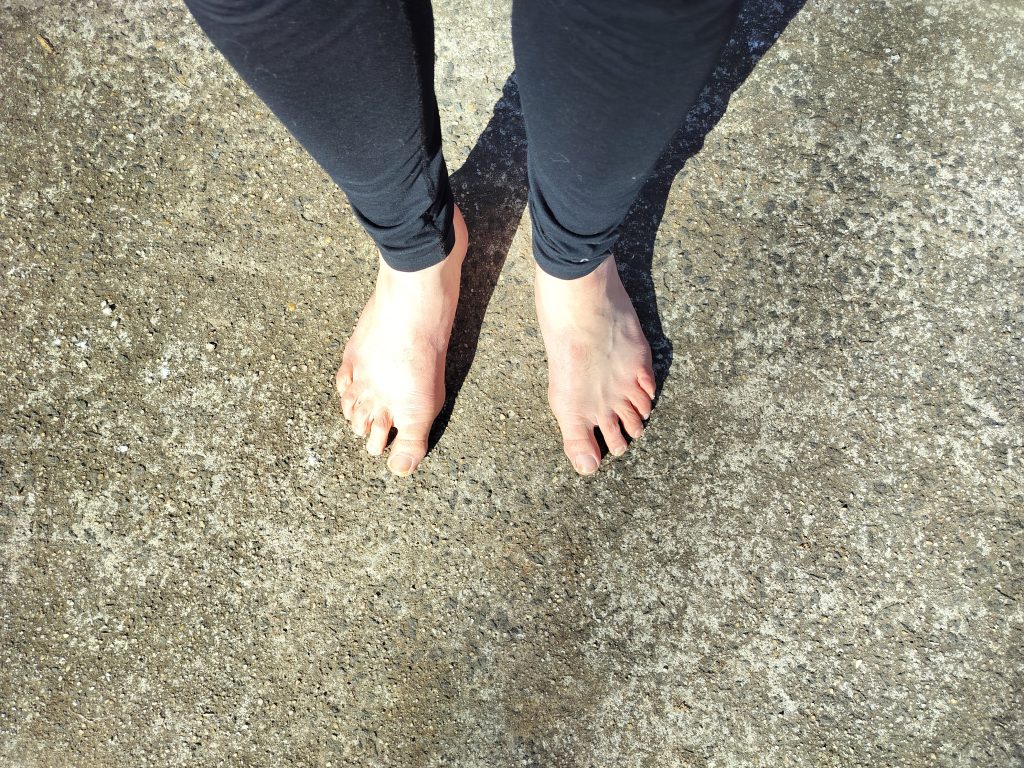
{"points": [[593, 283]]}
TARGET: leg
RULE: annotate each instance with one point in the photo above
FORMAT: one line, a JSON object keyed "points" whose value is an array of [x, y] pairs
{"points": [[604, 85], [353, 82]]}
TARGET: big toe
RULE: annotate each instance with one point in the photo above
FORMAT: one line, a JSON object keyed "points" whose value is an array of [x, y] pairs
{"points": [[408, 449], [580, 447]]}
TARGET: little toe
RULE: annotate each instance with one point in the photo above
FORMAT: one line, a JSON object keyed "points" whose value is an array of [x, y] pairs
{"points": [[645, 378], [343, 378], [379, 431], [612, 433], [580, 447]]}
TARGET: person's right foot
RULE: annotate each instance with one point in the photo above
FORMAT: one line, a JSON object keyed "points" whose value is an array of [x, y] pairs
{"points": [[392, 370]]}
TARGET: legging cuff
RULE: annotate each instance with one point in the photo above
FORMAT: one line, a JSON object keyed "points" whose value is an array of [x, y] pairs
{"points": [[561, 252], [424, 240]]}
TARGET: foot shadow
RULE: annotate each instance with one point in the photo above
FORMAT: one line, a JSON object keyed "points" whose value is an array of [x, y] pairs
{"points": [[491, 190]]}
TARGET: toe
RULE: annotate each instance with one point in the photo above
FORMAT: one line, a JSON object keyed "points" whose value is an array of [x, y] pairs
{"points": [[379, 431], [348, 400], [646, 381], [580, 446], [343, 378], [641, 401], [362, 416], [631, 420], [409, 448], [612, 433]]}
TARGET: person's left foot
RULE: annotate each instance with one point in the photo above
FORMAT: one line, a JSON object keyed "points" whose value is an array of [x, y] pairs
{"points": [[599, 362]]}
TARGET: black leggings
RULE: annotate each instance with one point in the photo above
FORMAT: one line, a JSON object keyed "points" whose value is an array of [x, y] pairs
{"points": [[604, 85]]}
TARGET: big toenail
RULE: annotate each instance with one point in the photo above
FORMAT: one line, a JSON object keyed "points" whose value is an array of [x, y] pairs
{"points": [[401, 465], [585, 464]]}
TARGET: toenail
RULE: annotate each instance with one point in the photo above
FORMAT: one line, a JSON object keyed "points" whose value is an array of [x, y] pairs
{"points": [[401, 465], [619, 451], [585, 464]]}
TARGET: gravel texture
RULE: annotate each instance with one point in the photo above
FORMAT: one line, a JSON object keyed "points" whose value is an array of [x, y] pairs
{"points": [[813, 557]]}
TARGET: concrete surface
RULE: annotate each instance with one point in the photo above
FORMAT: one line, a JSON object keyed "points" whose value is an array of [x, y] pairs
{"points": [[813, 557]]}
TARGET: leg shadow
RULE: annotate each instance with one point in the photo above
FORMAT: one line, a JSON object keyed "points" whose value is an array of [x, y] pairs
{"points": [[760, 24], [491, 189]]}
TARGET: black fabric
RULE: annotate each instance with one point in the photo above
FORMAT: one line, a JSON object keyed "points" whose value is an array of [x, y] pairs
{"points": [[604, 86]]}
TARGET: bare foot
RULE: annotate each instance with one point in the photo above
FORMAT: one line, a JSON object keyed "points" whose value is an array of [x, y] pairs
{"points": [[599, 362], [392, 370]]}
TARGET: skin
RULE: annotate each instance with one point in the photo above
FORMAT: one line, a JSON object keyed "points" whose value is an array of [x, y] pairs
{"points": [[599, 362], [392, 369]]}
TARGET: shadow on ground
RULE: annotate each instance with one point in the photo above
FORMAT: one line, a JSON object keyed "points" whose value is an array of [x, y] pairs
{"points": [[491, 190]]}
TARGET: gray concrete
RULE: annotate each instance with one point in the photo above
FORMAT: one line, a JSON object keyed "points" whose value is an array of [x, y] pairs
{"points": [[813, 557]]}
